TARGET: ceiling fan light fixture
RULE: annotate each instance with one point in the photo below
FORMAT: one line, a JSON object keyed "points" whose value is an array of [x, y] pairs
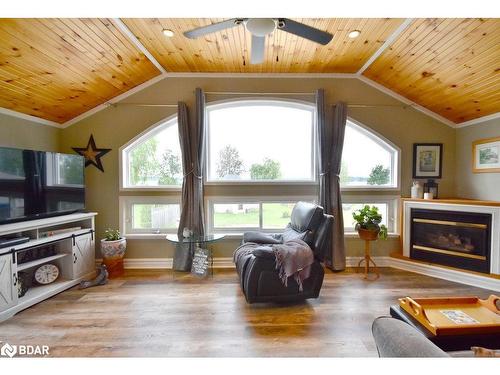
{"points": [[261, 26], [354, 34], [168, 33]]}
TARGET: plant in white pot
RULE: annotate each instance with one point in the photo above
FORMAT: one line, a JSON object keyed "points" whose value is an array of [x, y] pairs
{"points": [[113, 247]]}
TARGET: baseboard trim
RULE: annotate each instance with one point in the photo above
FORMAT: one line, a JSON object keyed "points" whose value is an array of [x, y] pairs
{"points": [[446, 274], [220, 262], [381, 261], [165, 263]]}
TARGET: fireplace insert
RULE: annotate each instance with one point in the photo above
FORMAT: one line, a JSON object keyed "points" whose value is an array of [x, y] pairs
{"points": [[451, 238]]}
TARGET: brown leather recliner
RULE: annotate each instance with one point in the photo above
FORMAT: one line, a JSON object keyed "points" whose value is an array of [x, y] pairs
{"points": [[257, 271]]}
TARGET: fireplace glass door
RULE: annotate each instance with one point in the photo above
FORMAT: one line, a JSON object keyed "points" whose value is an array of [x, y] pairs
{"points": [[458, 239]]}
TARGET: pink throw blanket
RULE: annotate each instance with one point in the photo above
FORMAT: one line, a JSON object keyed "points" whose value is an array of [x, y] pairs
{"points": [[293, 258]]}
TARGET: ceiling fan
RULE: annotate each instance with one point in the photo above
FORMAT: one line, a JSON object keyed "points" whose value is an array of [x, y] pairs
{"points": [[259, 28]]}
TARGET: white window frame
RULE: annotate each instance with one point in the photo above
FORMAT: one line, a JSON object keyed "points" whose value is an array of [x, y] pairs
{"points": [[393, 204], [269, 102], [211, 201], [395, 160], [125, 211], [124, 156]]}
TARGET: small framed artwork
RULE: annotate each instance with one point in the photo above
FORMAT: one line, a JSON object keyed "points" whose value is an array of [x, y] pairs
{"points": [[486, 155], [427, 160]]}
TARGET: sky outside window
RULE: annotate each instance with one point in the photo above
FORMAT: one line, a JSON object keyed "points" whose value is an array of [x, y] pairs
{"points": [[282, 134]]}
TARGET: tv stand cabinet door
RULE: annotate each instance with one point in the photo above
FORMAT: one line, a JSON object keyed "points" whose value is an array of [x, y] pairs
{"points": [[8, 282], [83, 255]]}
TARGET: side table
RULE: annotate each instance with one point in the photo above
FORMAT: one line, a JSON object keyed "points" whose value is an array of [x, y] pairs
{"points": [[186, 247], [367, 259]]}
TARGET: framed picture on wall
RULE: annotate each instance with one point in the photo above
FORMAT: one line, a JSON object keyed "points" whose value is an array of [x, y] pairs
{"points": [[486, 155], [427, 160]]}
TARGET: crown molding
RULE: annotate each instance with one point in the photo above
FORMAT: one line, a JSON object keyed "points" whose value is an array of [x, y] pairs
{"points": [[258, 75], [24, 116], [479, 120], [163, 76], [411, 103]]}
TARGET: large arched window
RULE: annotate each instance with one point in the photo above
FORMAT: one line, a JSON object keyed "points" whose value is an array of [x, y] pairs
{"points": [[368, 161], [252, 142], [260, 141], [153, 159]]}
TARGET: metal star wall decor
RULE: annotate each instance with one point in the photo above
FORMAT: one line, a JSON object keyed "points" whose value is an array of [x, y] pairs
{"points": [[92, 153]]}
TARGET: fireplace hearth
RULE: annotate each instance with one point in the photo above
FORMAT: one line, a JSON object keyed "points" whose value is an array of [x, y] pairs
{"points": [[451, 238]]}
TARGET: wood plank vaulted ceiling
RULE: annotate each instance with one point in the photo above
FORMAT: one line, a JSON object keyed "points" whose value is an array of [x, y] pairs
{"points": [[57, 69]]}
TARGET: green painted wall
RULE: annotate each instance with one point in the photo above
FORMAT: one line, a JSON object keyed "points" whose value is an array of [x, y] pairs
{"points": [[20, 133], [485, 186], [115, 126]]}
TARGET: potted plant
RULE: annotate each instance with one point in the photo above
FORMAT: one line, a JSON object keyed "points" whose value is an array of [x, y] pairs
{"points": [[368, 225], [113, 247]]}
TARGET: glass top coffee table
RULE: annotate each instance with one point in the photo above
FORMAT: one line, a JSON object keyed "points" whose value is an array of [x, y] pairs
{"points": [[193, 253], [195, 239]]}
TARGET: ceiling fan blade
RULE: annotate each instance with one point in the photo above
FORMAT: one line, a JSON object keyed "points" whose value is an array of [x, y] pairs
{"points": [[209, 29], [258, 49], [304, 31]]}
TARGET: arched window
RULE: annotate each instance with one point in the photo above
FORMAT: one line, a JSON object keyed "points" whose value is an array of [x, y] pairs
{"points": [[260, 140], [368, 161], [153, 159]]}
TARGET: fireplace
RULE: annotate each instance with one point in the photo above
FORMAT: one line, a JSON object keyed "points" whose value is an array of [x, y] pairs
{"points": [[451, 238]]}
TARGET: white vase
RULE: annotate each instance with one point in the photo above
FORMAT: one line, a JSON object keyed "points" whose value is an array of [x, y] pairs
{"points": [[417, 192]]}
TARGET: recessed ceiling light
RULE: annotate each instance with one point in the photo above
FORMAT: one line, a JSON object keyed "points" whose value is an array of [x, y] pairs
{"points": [[168, 33], [354, 34]]}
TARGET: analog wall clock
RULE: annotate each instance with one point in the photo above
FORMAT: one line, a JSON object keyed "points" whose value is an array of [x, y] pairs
{"points": [[46, 274]]}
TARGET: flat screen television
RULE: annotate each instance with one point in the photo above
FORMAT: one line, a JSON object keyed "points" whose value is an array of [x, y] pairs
{"points": [[38, 184]]}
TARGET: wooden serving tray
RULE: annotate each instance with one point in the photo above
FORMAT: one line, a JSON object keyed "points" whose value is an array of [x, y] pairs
{"points": [[454, 315]]}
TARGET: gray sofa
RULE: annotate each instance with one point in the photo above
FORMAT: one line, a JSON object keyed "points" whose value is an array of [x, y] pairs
{"points": [[395, 338]]}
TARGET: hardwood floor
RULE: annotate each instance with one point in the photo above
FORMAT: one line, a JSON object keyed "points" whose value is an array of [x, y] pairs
{"points": [[151, 314]]}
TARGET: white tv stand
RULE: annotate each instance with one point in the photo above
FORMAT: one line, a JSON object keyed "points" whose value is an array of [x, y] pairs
{"points": [[74, 254]]}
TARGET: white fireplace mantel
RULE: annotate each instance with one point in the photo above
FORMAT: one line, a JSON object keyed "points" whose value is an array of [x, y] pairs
{"points": [[462, 206]]}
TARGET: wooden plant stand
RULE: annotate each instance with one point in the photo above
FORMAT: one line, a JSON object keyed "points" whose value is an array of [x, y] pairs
{"points": [[367, 259]]}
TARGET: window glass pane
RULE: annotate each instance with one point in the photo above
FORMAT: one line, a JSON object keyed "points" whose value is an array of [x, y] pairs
{"points": [[155, 216], [70, 169], [349, 208], [11, 164], [252, 141], [276, 215], [365, 162], [237, 215], [156, 161]]}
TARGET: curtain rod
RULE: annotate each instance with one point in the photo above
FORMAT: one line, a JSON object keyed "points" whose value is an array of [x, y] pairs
{"points": [[144, 105], [352, 105], [377, 105], [258, 93]]}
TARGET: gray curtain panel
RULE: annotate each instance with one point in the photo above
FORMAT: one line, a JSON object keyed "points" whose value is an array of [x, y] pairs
{"points": [[192, 146], [331, 141]]}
